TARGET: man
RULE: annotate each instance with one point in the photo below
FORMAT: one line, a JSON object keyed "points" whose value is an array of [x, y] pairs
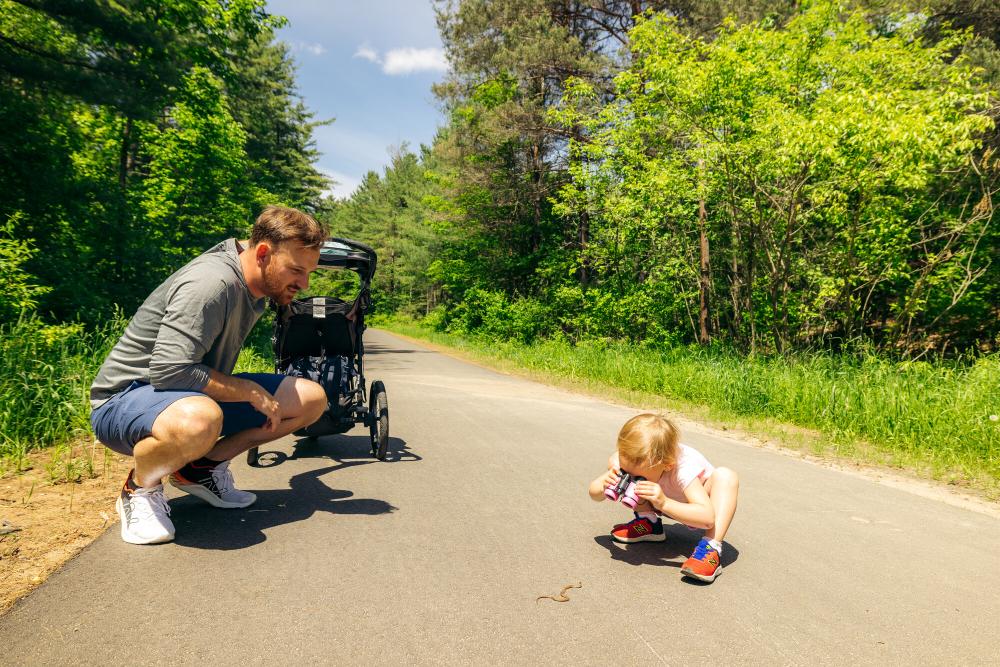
{"points": [[166, 394]]}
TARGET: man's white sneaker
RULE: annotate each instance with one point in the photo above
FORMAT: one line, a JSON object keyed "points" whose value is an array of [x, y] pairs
{"points": [[145, 515], [213, 485]]}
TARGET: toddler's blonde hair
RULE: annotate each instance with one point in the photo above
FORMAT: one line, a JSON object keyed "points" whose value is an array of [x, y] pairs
{"points": [[649, 439]]}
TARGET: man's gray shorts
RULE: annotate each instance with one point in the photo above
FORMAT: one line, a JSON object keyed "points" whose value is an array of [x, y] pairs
{"points": [[128, 416]]}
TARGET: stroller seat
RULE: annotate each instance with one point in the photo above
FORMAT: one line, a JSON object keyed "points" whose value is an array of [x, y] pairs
{"points": [[317, 327]]}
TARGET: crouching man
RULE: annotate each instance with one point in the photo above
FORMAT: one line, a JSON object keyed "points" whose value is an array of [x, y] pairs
{"points": [[166, 394]]}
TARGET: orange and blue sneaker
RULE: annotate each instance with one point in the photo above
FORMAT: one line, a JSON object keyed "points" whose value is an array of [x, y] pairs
{"points": [[639, 529], [704, 564]]}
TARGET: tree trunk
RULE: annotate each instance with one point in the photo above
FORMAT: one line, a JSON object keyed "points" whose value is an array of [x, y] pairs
{"points": [[704, 282], [122, 232], [125, 154]]}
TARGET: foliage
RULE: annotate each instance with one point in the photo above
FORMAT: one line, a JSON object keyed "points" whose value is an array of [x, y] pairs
{"points": [[842, 170], [791, 177], [195, 190], [132, 137], [393, 214], [138, 134], [45, 377], [19, 294]]}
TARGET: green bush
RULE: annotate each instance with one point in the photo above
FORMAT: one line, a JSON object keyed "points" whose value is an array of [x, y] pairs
{"points": [[491, 314], [45, 381]]}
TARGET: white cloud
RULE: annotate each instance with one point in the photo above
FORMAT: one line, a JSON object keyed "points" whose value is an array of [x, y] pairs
{"points": [[344, 185], [405, 60], [308, 47], [367, 53]]}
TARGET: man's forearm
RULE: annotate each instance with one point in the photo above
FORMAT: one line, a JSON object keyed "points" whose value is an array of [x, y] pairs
{"points": [[229, 389]]}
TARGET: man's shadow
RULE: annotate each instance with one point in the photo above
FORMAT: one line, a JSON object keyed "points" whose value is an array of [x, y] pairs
{"points": [[204, 527], [672, 552]]}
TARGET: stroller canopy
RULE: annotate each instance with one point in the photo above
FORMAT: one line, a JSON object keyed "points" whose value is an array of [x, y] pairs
{"points": [[339, 253]]}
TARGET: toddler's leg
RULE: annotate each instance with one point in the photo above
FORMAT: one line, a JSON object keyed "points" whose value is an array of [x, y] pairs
{"points": [[722, 487], [706, 562]]}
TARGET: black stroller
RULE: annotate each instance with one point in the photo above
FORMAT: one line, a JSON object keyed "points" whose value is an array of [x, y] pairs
{"points": [[320, 338]]}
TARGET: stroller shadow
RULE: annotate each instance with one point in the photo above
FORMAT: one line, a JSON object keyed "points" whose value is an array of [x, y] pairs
{"points": [[672, 552], [202, 527], [338, 448]]}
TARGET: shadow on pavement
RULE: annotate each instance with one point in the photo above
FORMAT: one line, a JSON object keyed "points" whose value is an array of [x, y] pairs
{"points": [[203, 527], [338, 448], [672, 552]]}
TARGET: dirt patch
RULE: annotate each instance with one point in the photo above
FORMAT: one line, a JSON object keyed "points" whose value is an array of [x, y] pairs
{"points": [[50, 519]]}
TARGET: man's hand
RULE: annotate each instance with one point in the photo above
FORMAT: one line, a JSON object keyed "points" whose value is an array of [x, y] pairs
{"points": [[265, 403], [651, 493]]}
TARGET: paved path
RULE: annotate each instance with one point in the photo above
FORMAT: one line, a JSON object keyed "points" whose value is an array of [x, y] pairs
{"points": [[437, 557]]}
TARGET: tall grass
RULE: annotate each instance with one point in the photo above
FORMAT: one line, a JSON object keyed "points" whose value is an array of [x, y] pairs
{"points": [[938, 418], [45, 376]]}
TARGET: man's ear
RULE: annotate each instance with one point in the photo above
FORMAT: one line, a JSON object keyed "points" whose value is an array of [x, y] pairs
{"points": [[262, 251]]}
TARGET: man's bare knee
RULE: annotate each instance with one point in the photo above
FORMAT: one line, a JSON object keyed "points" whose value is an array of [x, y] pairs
{"points": [[313, 400], [193, 423]]}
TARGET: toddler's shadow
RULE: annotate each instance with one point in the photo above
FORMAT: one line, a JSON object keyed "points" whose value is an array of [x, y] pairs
{"points": [[672, 552]]}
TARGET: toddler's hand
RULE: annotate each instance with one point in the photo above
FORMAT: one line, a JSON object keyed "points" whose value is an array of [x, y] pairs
{"points": [[610, 478], [650, 492]]}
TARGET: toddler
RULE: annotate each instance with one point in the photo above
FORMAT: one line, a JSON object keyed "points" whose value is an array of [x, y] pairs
{"points": [[679, 483]]}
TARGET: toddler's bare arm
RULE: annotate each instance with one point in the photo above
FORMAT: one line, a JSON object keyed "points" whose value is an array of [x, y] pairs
{"points": [[606, 479], [697, 512]]}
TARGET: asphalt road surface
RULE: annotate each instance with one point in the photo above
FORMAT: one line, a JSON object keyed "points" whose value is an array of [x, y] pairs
{"points": [[438, 556]]}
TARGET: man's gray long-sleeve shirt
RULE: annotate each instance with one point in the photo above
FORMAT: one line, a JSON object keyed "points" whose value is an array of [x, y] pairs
{"points": [[196, 320]]}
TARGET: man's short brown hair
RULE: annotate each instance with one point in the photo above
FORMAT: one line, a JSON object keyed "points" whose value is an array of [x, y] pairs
{"points": [[278, 224]]}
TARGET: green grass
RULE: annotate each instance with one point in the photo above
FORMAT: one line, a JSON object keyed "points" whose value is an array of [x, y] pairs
{"points": [[938, 420], [45, 376]]}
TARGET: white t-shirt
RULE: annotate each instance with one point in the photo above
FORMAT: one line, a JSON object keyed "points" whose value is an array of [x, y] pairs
{"points": [[691, 464]]}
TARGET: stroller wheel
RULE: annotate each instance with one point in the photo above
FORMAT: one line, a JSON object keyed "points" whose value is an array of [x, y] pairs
{"points": [[252, 457], [378, 411]]}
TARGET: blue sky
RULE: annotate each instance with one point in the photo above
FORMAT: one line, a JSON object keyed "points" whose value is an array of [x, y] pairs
{"points": [[369, 65]]}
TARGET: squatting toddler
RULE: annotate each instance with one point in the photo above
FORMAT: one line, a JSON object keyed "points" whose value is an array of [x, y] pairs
{"points": [[679, 483]]}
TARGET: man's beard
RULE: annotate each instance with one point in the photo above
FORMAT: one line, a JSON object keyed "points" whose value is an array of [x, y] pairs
{"points": [[277, 291]]}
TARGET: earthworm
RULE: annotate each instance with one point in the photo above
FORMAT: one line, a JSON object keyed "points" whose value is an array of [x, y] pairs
{"points": [[562, 597]]}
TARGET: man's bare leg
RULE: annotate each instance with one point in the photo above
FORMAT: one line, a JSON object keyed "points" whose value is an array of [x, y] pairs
{"points": [[302, 402], [185, 431]]}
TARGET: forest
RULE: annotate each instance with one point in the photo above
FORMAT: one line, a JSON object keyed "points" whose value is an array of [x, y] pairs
{"points": [[747, 180], [765, 176]]}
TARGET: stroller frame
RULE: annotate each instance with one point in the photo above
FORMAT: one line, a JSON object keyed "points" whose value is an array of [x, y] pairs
{"points": [[321, 338]]}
